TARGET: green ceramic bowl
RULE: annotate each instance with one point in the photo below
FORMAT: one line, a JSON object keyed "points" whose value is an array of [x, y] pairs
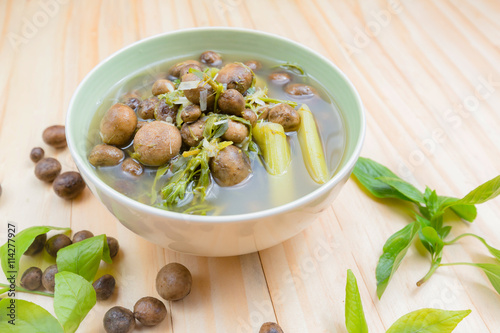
{"points": [[213, 235]]}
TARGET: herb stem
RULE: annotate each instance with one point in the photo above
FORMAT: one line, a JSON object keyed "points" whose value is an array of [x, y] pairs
{"points": [[210, 81], [22, 290], [212, 84], [274, 100], [458, 263], [427, 276], [453, 241]]}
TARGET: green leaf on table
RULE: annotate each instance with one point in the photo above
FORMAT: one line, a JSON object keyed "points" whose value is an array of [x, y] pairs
{"points": [[423, 224], [83, 258], [480, 194], [406, 189], [495, 252], [444, 231], [368, 173], [395, 248], [431, 240], [431, 201], [74, 297], [466, 212], [428, 321], [492, 271], [28, 317], [355, 321], [22, 242]]}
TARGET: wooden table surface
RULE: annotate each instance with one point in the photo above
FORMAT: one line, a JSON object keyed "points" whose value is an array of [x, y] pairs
{"points": [[428, 73]]}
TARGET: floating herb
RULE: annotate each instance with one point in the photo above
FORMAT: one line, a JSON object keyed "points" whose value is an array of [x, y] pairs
{"points": [[258, 97], [191, 175], [292, 67]]}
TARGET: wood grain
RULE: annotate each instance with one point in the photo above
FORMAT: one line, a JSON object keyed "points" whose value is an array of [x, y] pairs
{"points": [[429, 77]]}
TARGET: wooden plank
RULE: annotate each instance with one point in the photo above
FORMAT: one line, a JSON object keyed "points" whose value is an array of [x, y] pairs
{"points": [[416, 71]]}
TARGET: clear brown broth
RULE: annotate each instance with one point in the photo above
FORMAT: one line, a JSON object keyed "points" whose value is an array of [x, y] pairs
{"points": [[260, 191]]}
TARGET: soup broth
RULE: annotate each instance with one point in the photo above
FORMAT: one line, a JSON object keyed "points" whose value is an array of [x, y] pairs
{"points": [[260, 191]]}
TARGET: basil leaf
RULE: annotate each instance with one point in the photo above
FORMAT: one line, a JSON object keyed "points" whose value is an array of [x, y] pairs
{"points": [[221, 129], [431, 200], [492, 271], [209, 125], [29, 317], [428, 321], [429, 236], [74, 297], [198, 73], [355, 321], [22, 242], [253, 147], [480, 194], [491, 249], [83, 258], [368, 171], [424, 223], [395, 249], [406, 189], [466, 212], [444, 231], [425, 212]]}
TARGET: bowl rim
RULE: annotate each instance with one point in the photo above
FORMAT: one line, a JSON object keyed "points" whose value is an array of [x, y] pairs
{"points": [[136, 205]]}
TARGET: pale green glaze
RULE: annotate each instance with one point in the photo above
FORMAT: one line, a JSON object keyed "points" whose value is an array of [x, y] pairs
{"points": [[189, 42]]}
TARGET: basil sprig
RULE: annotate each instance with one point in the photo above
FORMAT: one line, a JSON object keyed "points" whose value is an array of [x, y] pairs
{"points": [[428, 224], [74, 295]]}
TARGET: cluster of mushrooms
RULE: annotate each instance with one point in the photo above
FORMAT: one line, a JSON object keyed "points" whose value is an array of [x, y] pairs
{"points": [[172, 121]]}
